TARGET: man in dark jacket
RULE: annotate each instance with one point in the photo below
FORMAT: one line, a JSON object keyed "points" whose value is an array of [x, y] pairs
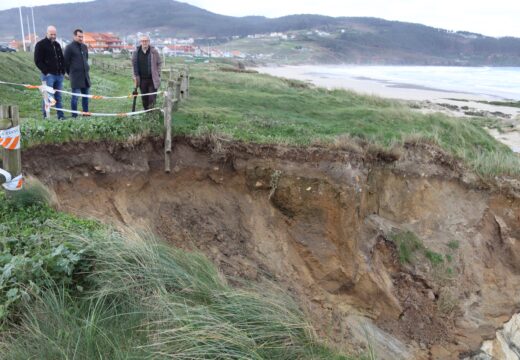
{"points": [[147, 63], [49, 59], [76, 66]]}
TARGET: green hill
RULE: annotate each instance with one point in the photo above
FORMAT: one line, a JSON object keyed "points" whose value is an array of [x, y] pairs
{"points": [[354, 40]]}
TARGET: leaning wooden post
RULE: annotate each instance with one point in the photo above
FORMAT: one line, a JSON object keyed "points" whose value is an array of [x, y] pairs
{"points": [[11, 159], [168, 126]]}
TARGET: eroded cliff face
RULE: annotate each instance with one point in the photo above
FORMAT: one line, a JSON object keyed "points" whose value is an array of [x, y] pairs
{"points": [[506, 344], [328, 226]]}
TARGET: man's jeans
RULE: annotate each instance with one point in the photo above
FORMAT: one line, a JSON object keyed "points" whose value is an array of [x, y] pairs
{"points": [[55, 82], [84, 100]]}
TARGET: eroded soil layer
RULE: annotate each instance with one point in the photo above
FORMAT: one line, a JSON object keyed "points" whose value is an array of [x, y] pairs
{"points": [[331, 226]]}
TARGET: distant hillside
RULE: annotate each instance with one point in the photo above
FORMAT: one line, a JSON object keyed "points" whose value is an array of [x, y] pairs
{"points": [[358, 40], [168, 16], [370, 40]]}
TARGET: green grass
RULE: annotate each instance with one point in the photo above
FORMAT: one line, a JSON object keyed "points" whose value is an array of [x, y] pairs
{"points": [[410, 249], [259, 108], [407, 244], [453, 244], [264, 109], [433, 257], [498, 103], [89, 292], [502, 103], [282, 51], [126, 129]]}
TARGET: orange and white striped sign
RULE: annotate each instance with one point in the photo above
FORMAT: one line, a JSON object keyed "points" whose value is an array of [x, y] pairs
{"points": [[12, 184], [10, 138]]}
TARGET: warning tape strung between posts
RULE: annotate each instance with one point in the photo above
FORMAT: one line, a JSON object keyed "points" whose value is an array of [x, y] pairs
{"points": [[100, 97], [10, 138], [90, 96], [17, 84], [10, 183], [85, 113]]}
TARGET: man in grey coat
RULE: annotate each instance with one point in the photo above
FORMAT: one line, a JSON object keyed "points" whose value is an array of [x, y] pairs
{"points": [[76, 66], [147, 63]]}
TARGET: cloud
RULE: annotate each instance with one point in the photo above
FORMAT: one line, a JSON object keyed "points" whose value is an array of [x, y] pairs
{"points": [[497, 18], [494, 18]]}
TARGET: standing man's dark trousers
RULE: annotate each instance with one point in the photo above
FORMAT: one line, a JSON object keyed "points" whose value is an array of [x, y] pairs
{"points": [[146, 86]]}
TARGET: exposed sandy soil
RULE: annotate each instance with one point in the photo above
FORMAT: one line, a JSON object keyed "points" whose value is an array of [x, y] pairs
{"points": [[319, 222]]}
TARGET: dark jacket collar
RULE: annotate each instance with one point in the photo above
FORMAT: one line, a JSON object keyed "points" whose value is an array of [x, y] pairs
{"points": [[150, 49]]}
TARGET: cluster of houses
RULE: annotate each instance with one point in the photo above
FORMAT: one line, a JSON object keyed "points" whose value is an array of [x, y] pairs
{"points": [[98, 42]]}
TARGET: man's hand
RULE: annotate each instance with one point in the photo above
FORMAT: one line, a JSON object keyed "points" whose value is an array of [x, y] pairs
{"points": [[135, 82], [67, 77]]}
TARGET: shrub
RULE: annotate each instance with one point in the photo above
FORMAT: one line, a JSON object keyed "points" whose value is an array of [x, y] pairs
{"points": [[34, 254], [434, 258], [407, 244], [454, 244]]}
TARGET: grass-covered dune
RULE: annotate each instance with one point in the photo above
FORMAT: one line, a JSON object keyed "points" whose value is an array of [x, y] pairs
{"points": [[75, 289], [257, 108]]}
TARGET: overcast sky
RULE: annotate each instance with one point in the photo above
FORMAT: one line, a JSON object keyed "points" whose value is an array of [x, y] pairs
{"points": [[494, 18]]}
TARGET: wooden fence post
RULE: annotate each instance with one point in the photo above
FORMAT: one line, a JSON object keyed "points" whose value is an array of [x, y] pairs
{"points": [[182, 78], [187, 93], [177, 94], [168, 126], [11, 159]]}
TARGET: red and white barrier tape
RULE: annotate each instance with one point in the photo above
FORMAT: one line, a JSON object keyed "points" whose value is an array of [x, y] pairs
{"points": [[100, 97], [51, 90], [106, 114]]}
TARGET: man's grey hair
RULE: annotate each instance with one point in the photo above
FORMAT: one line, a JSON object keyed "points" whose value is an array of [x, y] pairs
{"points": [[145, 36], [51, 27]]}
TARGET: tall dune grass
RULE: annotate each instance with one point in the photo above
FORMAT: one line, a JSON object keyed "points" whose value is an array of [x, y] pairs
{"points": [[147, 300]]}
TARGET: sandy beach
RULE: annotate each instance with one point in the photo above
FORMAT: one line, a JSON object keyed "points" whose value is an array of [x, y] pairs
{"points": [[425, 99]]}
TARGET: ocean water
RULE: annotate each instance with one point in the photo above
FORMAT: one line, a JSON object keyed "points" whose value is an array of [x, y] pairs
{"points": [[499, 82]]}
